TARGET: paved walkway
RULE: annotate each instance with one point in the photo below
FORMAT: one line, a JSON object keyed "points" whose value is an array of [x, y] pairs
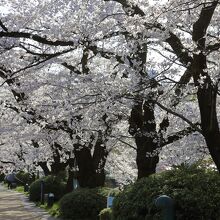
{"points": [[15, 206]]}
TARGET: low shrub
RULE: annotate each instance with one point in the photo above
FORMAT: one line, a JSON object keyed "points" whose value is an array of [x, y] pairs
{"points": [[55, 210], [104, 191], [51, 185], [105, 214], [114, 192], [195, 190], [24, 178], [2, 177], [82, 204]]}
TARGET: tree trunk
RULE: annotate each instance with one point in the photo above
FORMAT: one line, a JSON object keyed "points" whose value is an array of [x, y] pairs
{"points": [[85, 165], [69, 184], [146, 158], [99, 159], [45, 168], [209, 122], [207, 91], [57, 166], [207, 95], [143, 128], [91, 167]]}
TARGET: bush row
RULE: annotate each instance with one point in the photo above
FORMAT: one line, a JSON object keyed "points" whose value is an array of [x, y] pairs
{"points": [[52, 184], [24, 177], [195, 190], [82, 204]]}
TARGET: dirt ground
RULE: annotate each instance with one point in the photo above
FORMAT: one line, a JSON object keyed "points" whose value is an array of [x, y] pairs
{"points": [[15, 205]]}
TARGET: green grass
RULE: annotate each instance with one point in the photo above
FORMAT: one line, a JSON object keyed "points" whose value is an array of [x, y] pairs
{"points": [[19, 189], [54, 210]]}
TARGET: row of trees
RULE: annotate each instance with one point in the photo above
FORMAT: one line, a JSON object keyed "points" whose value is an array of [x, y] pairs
{"points": [[82, 78]]}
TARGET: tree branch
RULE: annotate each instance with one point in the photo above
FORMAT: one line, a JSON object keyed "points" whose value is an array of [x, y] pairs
{"points": [[201, 25], [71, 68], [39, 39], [3, 26], [7, 162], [213, 47], [178, 115], [172, 40], [178, 135]]}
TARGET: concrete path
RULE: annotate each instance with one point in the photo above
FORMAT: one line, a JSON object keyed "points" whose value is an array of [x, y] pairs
{"points": [[15, 206]]}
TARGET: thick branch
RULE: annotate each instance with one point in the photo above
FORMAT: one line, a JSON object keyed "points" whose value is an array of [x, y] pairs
{"points": [[7, 162], [84, 61], [39, 39], [179, 115], [178, 135], [201, 25], [185, 78], [213, 47], [179, 49]]}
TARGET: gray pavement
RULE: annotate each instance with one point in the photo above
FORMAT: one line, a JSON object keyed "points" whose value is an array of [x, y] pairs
{"points": [[14, 205]]}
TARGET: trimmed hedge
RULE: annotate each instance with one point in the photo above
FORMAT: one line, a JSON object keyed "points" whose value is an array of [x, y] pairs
{"points": [[51, 185], [24, 178], [82, 204], [195, 190]]}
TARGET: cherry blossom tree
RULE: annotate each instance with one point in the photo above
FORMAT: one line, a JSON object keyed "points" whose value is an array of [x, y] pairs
{"points": [[78, 69]]}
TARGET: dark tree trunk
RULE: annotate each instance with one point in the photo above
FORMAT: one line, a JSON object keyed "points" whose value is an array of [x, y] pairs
{"points": [[146, 160], [209, 122], [99, 159], [57, 166], [91, 167], [69, 184], [143, 128], [207, 91], [45, 168], [71, 175], [85, 165], [142, 120], [207, 95]]}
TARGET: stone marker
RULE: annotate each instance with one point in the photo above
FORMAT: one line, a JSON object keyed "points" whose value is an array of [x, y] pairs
{"points": [[166, 204]]}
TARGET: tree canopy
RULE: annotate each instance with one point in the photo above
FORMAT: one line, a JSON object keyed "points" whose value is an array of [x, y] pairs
{"points": [[85, 83]]}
